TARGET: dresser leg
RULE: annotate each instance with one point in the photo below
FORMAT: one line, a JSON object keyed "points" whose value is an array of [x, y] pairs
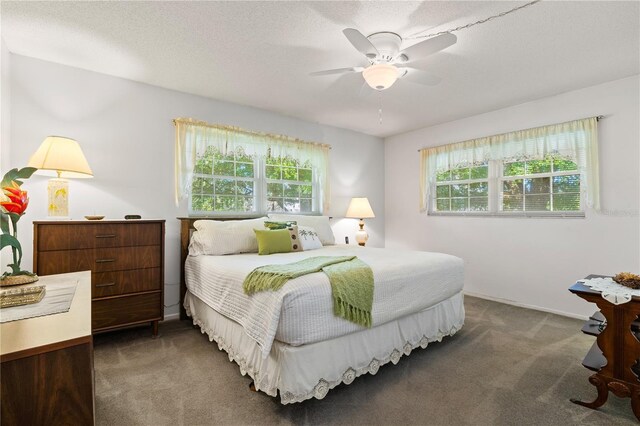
{"points": [[154, 325], [603, 393]]}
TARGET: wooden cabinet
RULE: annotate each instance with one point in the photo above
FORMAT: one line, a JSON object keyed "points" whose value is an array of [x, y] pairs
{"points": [[47, 363], [615, 355], [126, 259]]}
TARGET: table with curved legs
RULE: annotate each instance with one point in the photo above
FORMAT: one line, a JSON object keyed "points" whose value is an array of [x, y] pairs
{"points": [[615, 355]]}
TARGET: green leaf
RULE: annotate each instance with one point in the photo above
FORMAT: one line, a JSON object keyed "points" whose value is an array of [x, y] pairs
{"points": [[7, 240], [4, 224], [15, 175]]}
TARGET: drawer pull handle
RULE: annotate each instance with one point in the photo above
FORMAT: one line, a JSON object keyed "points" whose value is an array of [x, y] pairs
{"points": [[105, 260], [106, 284], [106, 236]]}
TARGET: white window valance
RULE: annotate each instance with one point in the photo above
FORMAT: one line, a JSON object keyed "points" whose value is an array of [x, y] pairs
{"points": [[576, 140], [194, 137]]}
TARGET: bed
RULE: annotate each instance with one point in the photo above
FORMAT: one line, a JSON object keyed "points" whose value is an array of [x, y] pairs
{"points": [[289, 342]]}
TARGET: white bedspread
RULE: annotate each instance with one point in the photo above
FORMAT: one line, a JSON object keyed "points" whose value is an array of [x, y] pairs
{"points": [[302, 311]]}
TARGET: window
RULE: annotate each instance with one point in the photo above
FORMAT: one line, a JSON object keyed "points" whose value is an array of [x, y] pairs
{"points": [[222, 170], [550, 170]]}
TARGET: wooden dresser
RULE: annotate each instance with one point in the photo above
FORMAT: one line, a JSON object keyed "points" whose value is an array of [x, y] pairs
{"points": [[47, 362], [126, 259]]}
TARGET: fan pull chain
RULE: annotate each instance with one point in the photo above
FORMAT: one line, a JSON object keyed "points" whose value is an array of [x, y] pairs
{"points": [[380, 109], [462, 27]]}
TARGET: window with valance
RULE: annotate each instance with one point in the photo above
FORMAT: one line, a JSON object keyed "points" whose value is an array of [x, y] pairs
{"points": [[228, 170], [549, 170]]}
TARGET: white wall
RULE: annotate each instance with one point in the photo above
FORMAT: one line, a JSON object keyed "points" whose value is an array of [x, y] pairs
{"points": [[126, 133], [5, 123], [524, 260]]}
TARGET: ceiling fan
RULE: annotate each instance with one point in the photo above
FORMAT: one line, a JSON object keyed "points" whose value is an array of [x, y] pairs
{"points": [[387, 63]]}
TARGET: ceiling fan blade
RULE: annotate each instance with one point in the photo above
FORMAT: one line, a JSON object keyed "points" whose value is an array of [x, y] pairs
{"points": [[361, 43], [337, 71], [420, 77], [428, 47]]}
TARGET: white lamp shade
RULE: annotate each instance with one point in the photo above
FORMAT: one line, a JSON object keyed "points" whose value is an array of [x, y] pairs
{"points": [[60, 156], [359, 208], [381, 76]]}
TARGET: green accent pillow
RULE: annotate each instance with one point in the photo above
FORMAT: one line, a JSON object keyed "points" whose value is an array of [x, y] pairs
{"points": [[279, 225], [276, 241]]}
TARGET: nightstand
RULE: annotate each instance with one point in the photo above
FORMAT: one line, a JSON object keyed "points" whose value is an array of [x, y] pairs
{"points": [[126, 259]]}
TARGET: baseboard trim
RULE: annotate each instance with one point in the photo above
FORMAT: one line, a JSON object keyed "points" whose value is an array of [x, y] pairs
{"points": [[525, 305], [169, 317]]}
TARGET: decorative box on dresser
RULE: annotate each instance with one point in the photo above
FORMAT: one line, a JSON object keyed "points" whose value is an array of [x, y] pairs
{"points": [[47, 362], [126, 259]]}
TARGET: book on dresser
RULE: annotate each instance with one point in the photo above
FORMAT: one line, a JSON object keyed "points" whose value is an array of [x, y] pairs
{"points": [[126, 259]]}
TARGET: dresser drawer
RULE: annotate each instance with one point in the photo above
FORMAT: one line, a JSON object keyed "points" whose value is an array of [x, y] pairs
{"points": [[122, 282], [125, 310], [83, 236], [123, 258]]}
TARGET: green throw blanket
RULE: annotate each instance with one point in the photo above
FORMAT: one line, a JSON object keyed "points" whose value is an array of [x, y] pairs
{"points": [[351, 283]]}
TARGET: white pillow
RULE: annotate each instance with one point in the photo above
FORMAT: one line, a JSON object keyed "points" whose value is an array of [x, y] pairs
{"points": [[319, 223], [217, 237], [308, 238]]}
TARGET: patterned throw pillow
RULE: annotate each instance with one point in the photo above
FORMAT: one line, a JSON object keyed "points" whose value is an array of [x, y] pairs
{"points": [[309, 238], [278, 225], [295, 238], [272, 241]]}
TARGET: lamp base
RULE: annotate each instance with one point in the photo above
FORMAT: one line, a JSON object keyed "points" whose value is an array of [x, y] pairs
{"points": [[361, 234], [58, 190]]}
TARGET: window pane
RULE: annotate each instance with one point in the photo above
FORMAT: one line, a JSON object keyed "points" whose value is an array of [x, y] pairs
{"points": [[245, 187], [540, 202], [479, 204], [245, 204], [479, 188], [196, 202], [224, 168], [570, 183], [273, 172], [305, 175], [514, 169], [512, 203], [566, 202], [564, 165], [442, 204], [225, 186], [512, 187], [480, 172], [274, 190], [204, 164], [291, 205], [460, 174], [291, 190], [536, 186], [202, 186], [538, 166], [459, 204], [289, 162], [443, 176], [306, 190], [460, 190], [244, 170], [225, 203], [275, 204], [442, 191], [289, 173], [306, 205]]}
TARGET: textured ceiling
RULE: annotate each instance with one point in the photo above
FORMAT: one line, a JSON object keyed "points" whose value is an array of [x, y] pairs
{"points": [[260, 53]]}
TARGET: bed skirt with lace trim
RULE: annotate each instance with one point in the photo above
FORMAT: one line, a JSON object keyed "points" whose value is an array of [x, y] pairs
{"points": [[302, 372]]}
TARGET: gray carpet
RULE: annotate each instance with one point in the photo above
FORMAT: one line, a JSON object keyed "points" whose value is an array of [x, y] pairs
{"points": [[507, 366]]}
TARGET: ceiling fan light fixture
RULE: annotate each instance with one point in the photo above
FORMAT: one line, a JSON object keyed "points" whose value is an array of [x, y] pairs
{"points": [[381, 76]]}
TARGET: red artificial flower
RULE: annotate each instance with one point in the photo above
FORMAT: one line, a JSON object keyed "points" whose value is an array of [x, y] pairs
{"points": [[18, 200]]}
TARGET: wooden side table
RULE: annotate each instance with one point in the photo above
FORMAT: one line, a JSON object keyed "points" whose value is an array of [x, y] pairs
{"points": [[615, 355], [47, 363]]}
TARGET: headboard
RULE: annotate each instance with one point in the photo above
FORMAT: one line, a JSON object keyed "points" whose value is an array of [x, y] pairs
{"points": [[186, 226]]}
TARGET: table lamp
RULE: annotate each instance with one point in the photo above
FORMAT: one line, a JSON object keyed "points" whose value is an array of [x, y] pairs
{"points": [[359, 208], [61, 157]]}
